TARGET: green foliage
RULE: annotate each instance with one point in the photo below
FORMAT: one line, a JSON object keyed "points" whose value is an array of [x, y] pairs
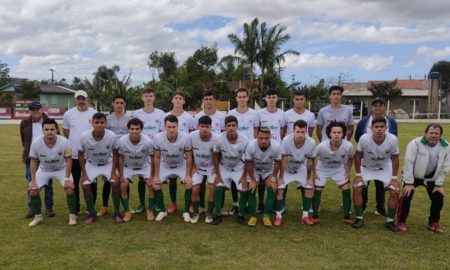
{"points": [[443, 67], [385, 89], [165, 64], [4, 73], [30, 90]]}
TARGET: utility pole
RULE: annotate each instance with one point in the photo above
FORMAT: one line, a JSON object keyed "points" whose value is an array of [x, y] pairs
{"points": [[52, 70]]}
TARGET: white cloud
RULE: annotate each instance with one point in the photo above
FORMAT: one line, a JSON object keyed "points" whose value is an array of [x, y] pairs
{"points": [[409, 64], [432, 54]]}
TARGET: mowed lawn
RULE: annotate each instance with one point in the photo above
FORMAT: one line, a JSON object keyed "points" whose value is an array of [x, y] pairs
{"points": [[173, 244]]}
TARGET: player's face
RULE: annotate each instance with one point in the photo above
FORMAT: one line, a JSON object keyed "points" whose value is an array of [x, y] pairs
{"points": [[118, 105], [378, 109], [135, 131], [171, 128], [208, 102], [81, 103], [242, 99], [299, 133], [271, 100], [99, 124], [263, 140], [231, 128], [49, 131], [178, 101], [379, 129], [433, 136], [336, 134], [148, 98], [205, 130], [335, 97], [36, 114], [299, 102]]}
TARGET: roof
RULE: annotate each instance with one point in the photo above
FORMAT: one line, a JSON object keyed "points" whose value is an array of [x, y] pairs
{"points": [[55, 89], [409, 84], [410, 88], [8, 88]]}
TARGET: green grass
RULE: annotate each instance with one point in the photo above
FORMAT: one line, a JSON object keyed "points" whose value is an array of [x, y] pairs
{"points": [[174, 244]]}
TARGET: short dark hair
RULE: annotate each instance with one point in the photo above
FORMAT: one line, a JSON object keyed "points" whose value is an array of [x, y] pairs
{"points": [[434, 125], [263, 129], [271, 92], [116, 96], [301, 93], [178, 92], [242, 90], [135, 122], [379, 120], [336, 124], [300, 123], [148, 90], [208, 94], [231, 118], [205, 120], [171, 118], [99, 115], [335, 88], [49, 121]]}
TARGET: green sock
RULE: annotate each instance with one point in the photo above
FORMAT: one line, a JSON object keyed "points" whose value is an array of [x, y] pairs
{"points": [[141, 192], [116, 201], [36, 204], [252, 202], [269, 202], [261, 190], [187, 199], [391, 213], [243, 198], [218, 200], [159, 197], [316, 201], [359, 212], [346, 201], [151, 203], [202, 198], [71, 203], [306, 204], [89, 203], [210, 207], [173, 192], [196, 205], [126, 204], [279, 204]]}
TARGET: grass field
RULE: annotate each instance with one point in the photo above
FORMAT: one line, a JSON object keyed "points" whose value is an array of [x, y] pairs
{"points": [[172, 244]]}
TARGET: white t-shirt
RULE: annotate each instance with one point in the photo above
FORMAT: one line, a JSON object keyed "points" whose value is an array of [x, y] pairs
{"points": [[185, 122], [263, 160], [375, 156], [77, 122], [329, 158], [37, 130], [218, 121], [202, 151], [50, 159], [433, 158], [172, 153], [98, 152], [328, 114], [231, 153], [135, 155], [153, 121], [296, 158], [274, 121], [247, 121], [292, 116]]}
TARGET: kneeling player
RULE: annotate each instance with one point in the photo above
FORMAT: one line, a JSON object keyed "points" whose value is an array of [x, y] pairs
{"points": [[297, 166], [55, 157], [98, 157], [134, 152], [335, 161], [377, 158]]}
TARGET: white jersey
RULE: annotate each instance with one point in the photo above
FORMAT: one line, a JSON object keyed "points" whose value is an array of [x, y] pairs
{"points": [[218, 121], [375, 156], [263, 160], [135, 155], [153, 121], [118, 125], [185, 122], [98, 152], [77, 122], [231, 153], [296, 158], [202, 151], [172, 153], [247, 122], [328, 114], [274, 121], [329, 158], [50, 159], [292, 116]]}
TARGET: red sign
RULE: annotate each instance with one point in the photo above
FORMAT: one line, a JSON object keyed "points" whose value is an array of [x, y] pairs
{"points": [[5, 113]]}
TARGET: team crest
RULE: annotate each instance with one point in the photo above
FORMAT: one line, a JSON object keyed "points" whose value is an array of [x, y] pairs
{"points": [[387, 152], [60, 153], [108, 146], [342, 156]]}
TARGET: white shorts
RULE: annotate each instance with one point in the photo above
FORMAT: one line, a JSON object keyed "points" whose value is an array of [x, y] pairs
{"points": [[336, 174], [145, 172], [166, 173], [42, 177], [299, 178], [383, 175], [260, 176], [197, 178], [230, 176], [93, 171]]}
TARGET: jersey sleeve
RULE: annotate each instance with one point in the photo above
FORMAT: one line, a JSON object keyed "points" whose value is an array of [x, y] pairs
{"points": [[278, 152], [248, 153], [312, 149], [284, 122], [120, 146], [217, 145], [350, 121], [33, 150], [82, 144], [320, 120], [187, 144], [312, 120], [115, 142], [361, 143], [395, 146], [351, 151], [150, 146]]}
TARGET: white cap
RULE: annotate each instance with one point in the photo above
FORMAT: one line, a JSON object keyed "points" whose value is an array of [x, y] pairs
{"points": [[81, 93]]}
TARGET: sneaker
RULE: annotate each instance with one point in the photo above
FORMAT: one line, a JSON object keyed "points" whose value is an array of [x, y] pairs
{"points": [[252, 221], [267, 222], [234, 211], [49, 212], [103, 211], [90, 218], [391, 226], [380, 212], [38, 219], [307, 221], [216, 220], [277, 221], [127, 216], [435, 227], [72, 219], [194, 218], [208, 218], [187, 217], [118, 218], [260, 209], [402, 226], [241, 220], [348, 220], [358, 223], [161, 215], [30, 213], [150, 216], [172, 208], [139, 210]]}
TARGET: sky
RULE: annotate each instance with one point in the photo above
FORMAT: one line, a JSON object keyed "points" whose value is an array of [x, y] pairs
{"points": [[360, 40]]}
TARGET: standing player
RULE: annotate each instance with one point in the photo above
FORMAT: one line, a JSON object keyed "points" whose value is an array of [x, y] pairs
{"points": [[98, 157], [299, 112], [336, 111], [377, 158], [427, 162], [173, 159], [202, 143], [247, 117], [153, 119], [228, 165], [134, 153], [335, 161], [55, 161], [297, 165], [262, 164], [76, 121]]}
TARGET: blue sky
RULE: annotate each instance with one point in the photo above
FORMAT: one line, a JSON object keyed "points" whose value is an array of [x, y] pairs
{"points": [[361, 40]]}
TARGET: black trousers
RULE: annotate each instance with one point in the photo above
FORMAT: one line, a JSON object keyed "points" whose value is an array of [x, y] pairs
{"points": [[379, 196], [437, 202]]}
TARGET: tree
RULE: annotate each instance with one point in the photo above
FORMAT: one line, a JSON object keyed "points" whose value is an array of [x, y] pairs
{"points": [[4, 73], [165, 64], [385, 89], [30, 90], [443, 67]]}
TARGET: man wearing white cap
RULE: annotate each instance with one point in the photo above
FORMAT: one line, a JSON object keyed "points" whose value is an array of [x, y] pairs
{"points": [[75, 121]]}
